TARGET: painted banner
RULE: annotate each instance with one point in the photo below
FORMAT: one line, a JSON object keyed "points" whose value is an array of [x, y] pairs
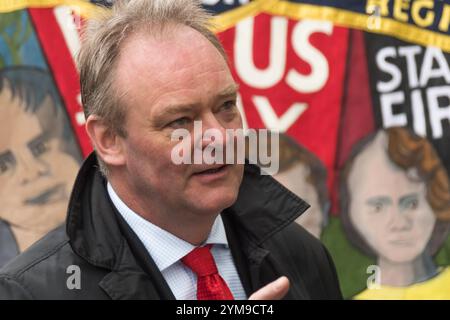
{"points": [[359, 90]]}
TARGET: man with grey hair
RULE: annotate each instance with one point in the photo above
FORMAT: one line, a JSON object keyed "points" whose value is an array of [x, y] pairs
{"points": [[141, 227]]}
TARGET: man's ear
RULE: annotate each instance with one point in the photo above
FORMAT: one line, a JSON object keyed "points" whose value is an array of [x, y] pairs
{"points": [[108, 145]]}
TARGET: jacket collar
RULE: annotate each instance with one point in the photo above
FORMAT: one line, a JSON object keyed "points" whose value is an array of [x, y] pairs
{"points": [[263, 208], [91, 225]]}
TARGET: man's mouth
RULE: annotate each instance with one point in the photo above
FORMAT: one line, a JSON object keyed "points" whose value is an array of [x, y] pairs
{"points": [[212, 173], [213, 170], [53, 194]]}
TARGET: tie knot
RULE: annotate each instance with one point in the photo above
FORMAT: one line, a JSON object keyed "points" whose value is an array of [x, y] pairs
{"points": [[201, 261]]}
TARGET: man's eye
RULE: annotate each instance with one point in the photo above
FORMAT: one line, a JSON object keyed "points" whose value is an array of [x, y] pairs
{"points": [[7, 161], [229, 105], [181, 122]]}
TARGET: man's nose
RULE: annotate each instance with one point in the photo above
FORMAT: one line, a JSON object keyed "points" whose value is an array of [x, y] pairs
{"points": [[31, 169], [213, 131]]}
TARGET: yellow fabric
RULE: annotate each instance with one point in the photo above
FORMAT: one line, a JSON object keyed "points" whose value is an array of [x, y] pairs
{"points": [[436, 288], [82, 7], [339, 17], [228, 19]]}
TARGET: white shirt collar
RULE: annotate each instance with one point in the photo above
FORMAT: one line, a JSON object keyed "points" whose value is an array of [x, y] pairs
{"points": [[164, 247]]}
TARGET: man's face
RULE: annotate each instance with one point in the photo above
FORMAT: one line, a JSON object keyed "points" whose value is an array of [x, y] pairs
{"points": [[166, 85], [35, 176], [295, 179], [389, 208]]}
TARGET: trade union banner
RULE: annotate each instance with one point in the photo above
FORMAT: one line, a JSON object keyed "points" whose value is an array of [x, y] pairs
{"points": [[358, 90]]}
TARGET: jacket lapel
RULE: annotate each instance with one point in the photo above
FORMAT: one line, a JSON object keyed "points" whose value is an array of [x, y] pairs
{"points": [[268, 269], [142, 259], [129, 282], [264, 207], [257, 267], [96, 234]]}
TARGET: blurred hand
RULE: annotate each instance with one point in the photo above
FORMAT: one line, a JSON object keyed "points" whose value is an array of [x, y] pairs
{"points": [[275, 290]]}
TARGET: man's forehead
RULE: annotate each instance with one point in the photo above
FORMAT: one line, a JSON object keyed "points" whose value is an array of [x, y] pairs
{"points": [[183, 63], [143, 53]]}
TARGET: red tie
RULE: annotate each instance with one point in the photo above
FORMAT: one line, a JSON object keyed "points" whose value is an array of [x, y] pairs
{"points": [[210, 285]]}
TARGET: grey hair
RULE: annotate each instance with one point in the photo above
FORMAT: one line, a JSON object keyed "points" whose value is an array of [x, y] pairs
{"points": [[101, 44]]}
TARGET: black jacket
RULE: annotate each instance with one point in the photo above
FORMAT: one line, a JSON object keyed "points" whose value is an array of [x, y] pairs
{"points": [[113, 264], [8, 245]]}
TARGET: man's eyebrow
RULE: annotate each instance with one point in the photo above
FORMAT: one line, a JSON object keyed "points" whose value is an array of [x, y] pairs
{"points": [[175, 109], [161, 116], [231, 90]]}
